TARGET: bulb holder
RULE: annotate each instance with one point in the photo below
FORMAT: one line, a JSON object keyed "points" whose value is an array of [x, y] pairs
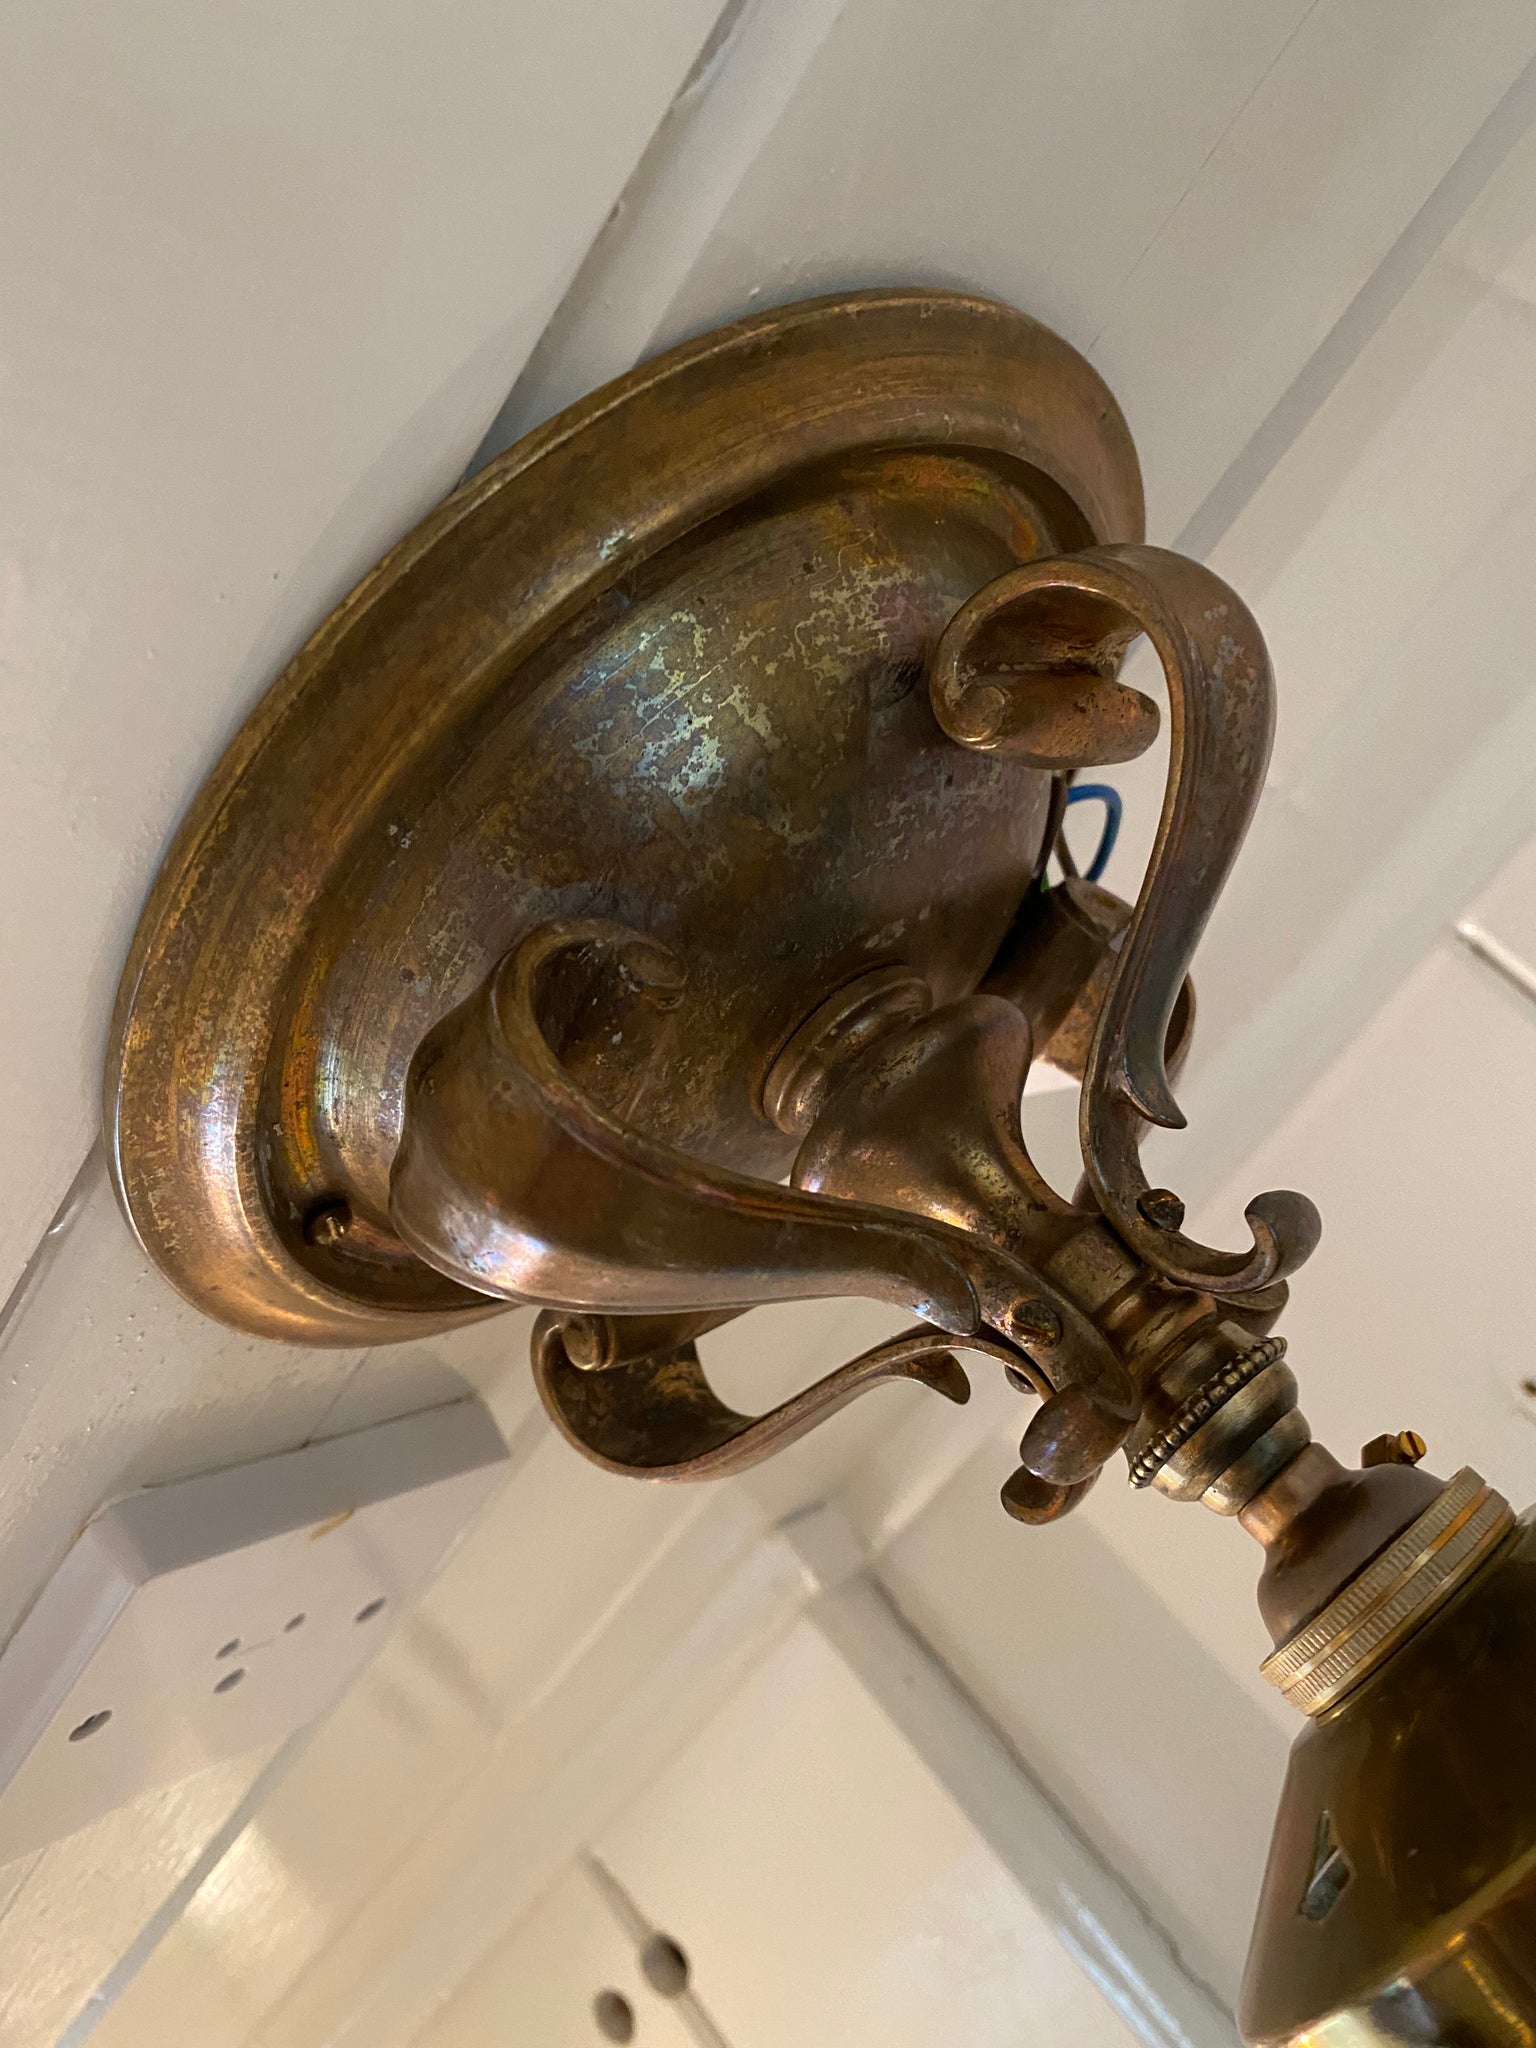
{"points": [[1399, 1902]]}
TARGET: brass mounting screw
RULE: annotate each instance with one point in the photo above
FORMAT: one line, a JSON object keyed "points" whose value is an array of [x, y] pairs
{"points": [[1406, 1448], [585, 1340], [1035, 1322], [327, 1223], [979, 714], [1162, 1208]]}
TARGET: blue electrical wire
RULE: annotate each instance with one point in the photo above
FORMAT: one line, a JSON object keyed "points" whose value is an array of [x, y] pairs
{"points": [[1079, 793]]}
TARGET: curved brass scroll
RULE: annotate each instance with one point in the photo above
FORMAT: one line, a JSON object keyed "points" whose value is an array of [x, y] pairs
{"points": [[930, 1117], [511, 1179], [657, 1417], [1074, 616]]}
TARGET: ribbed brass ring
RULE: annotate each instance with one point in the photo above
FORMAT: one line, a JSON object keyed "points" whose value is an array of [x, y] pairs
{"points": [[1395, 1594], [1202, 1405]]}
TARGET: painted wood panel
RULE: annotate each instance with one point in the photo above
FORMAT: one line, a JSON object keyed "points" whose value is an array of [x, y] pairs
{"points": [[828, 1890], [269, 272]]}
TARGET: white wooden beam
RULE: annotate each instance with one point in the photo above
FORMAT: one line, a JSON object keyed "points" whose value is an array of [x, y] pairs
{"points": [[1094, 1913], [615, 311]]}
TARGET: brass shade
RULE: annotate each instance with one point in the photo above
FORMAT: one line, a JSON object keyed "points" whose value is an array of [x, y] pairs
{"points": [[1399, 1904]]}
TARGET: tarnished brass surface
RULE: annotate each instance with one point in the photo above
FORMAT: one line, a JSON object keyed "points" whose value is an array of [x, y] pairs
{"points": [[1057, 966], [638, 823], [634, 901], [802, 1075], [658, 1416], [1391, 1596], [1020, 669], [663, 663], [634, 839], [1399, 1904]]}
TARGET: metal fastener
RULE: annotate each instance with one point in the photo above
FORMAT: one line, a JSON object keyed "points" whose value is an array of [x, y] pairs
{"points": [[1162, 1208], [586, 1342], [1407, 1447], [1035, 1322], [328, 1223]]}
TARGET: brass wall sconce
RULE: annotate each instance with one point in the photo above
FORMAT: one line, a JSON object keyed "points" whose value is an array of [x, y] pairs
{"points": [[632, 901]]}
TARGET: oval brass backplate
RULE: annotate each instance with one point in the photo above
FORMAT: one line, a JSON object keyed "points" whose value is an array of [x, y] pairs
{"points": [[663, 662]]}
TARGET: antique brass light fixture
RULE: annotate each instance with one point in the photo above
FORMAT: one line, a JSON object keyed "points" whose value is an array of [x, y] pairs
{"points": [[632, 901]]}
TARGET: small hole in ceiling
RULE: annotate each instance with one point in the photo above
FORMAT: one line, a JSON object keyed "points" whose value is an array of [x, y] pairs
{"points": [[615, 2016], [367, 1613], [91, 1725], [228, 1649], [230, 1679], [294, 1621], [664, 1966], [1528, 1387]]}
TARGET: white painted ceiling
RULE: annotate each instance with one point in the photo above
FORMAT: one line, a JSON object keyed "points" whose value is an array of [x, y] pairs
{"points": [[270, 274], [269, 271]]}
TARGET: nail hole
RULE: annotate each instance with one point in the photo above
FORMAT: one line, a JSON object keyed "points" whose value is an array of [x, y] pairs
{"points": [[91, 1725], [664, 1966], [228, 1649], [367, 1613], [230, 1679], [294, 1621], [1528, 1387], [615, 2016]]}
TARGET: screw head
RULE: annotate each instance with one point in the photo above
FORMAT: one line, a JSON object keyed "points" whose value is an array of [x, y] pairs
{"points": [[1162, 1208], [1031, 1499], [328, 1223], [1035, 1322], [652, 972], [979, 714], [586, 1342], [1407, 1447]]}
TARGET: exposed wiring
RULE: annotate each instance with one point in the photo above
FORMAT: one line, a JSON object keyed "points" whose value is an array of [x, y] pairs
{"points": [[1109, 797]]}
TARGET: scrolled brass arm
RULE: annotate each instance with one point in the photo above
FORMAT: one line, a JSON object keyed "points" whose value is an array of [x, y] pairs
{"points": [[511, 1179], [1004, 678], [657, 1417]]}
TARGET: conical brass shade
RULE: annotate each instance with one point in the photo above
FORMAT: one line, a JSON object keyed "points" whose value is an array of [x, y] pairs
{"points": [[1400, 1899]]}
